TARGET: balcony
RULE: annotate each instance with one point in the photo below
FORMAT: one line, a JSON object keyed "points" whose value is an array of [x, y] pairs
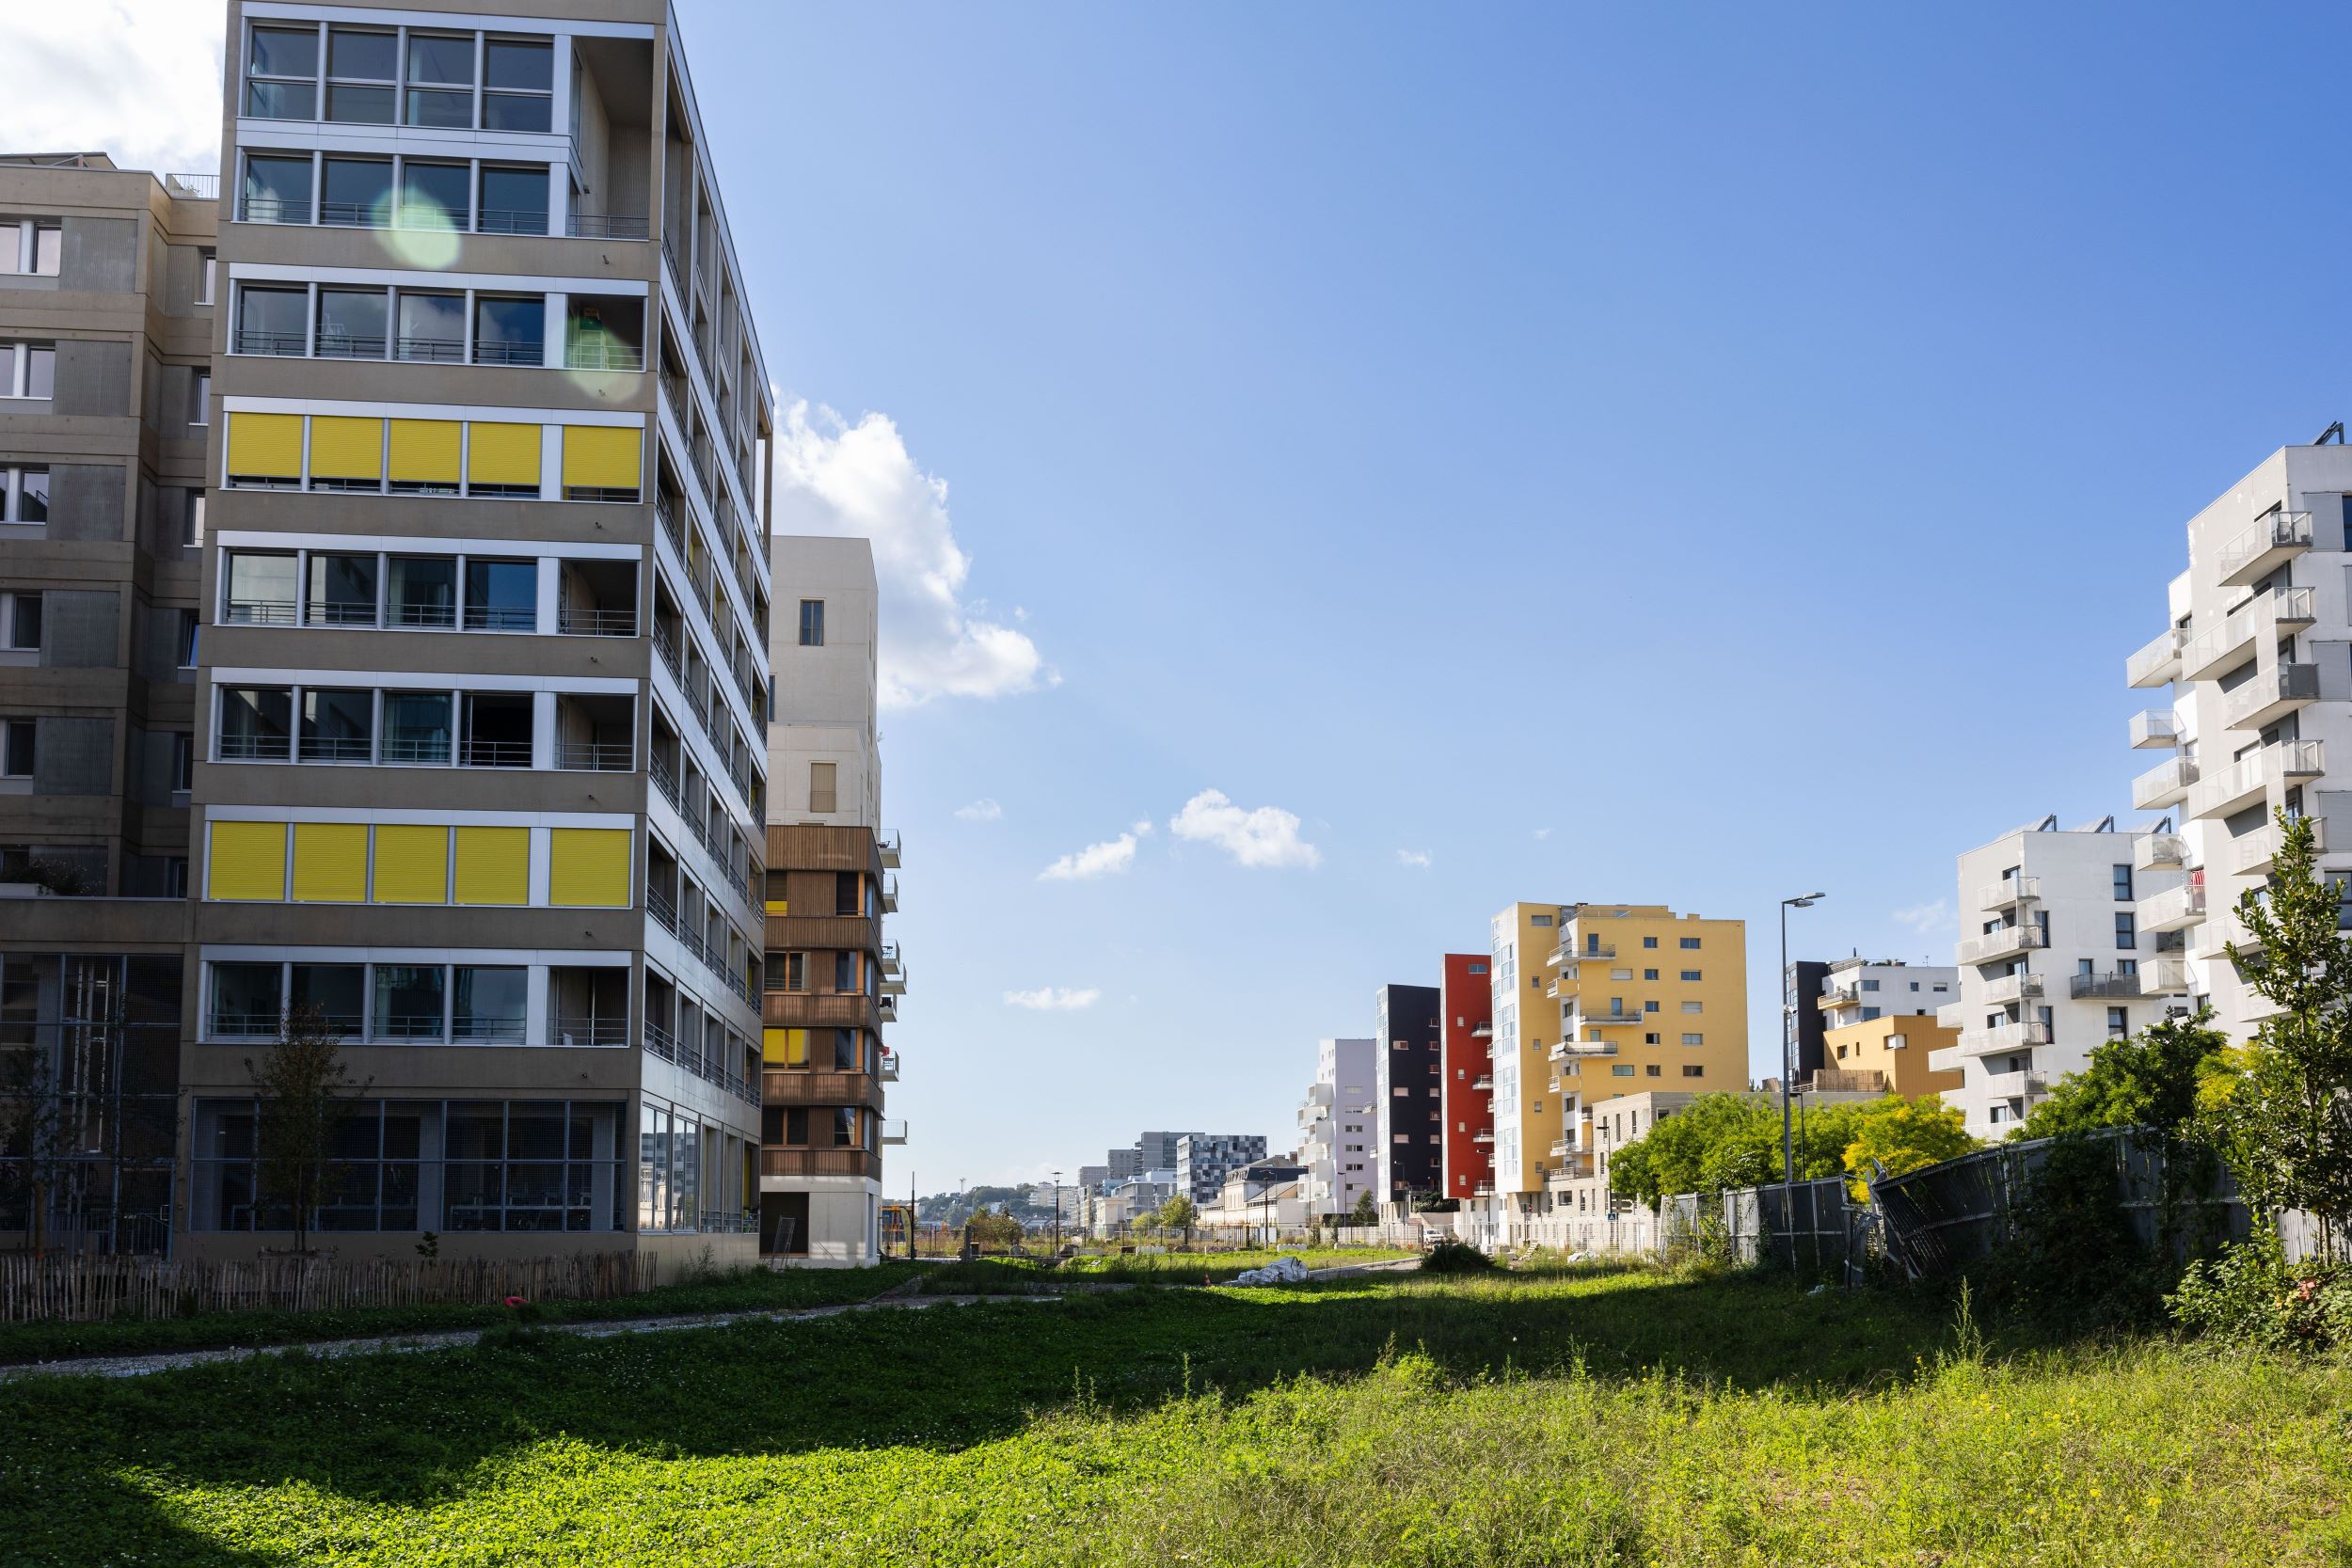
{"points": [[1952, 1015], [2158, 662], [1840, 996], [1484, 1136], [890, 894], [1831, 1080], [818, 1087], [1483, 1083], [2255, 851], [2158, 728], [2159, 852], [2250, 779], [2268, 698], [802, 1009], [2278, 538], [2015, 1086], [2112, 985], [2017, 1036], [2164, 978], [2292, 608], [2166, 783], [1583, 1048], [2217, 650], [1483, 1031], [2013, 988], [2175, 909], [887, 845], [2010, 941], [2009, 893], [820, 1161]]}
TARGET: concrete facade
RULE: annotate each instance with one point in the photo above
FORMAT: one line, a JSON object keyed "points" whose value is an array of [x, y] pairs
{"points": [[1409, 1089], [1337, 1125], [1203, 1160], [1466, 1101]]}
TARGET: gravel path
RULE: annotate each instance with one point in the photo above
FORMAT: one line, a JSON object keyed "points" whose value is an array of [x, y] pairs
{"points": [[138, 1366]]}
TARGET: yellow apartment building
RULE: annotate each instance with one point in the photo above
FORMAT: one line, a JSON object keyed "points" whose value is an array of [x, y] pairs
{"points": [[1886, 1055]]}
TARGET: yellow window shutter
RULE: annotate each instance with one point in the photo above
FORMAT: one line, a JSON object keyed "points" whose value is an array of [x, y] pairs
{"points": [[783, 1047], [247, 861], [265, 446], [330, 862], [493, 865], [502, 453], [346, 448], [425, 452], [589, 866], [411, 866], [601, 458]]}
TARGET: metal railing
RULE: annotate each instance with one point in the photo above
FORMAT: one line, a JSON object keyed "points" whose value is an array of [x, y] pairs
{"points": [[665, 646], [2159, 852], [259, 612], [2007, 891], [2158, 726], [431, 351], [2113, 983], [604, 357], [202, 187], [603, 226], [510, 220], [664, 779], [2156, 663], [274, 208], [501, 617], [426, 615], [2174, 906], [577, 1029], [504, 1027], [283, 345], [496, 754], [2013, 988], [595, 621], [2289, 683], [337, 748], [517, 351], [2167, 782], [344, 345], [355, 214], [1989, 945], [595, 756], [332, 612], [255, 748], [429, 748], [2278, 529]]}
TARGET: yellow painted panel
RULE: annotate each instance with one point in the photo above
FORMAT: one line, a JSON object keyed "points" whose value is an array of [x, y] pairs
{"points": [[589, 866], [248, 860], [346, 448], [783, 1047], [265, 446], [494, 865], [411, 866], [779, 905], [425, 452], [502, 453], [602, 457], [330, 862]]}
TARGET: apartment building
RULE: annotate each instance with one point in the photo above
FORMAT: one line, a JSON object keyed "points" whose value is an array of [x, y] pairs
{"points": [[1203, 1160], [1524, 1107], [2256, 657], [1157, 1150], [1339, 1126], [106, 282], [833, 981], [1879, 1025], [2055, 958], [1410, 1091], [484, 662], [1466, 1101], [1801, 1018]]}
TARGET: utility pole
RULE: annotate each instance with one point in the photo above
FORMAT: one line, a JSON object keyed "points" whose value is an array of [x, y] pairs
{"points": [[1788, 1072]]}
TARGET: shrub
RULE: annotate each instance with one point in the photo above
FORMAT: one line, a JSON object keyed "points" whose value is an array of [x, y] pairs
{"points": [[1452, 1257], [2250, 1295]]}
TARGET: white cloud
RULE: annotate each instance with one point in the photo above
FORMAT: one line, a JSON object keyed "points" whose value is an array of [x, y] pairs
{"points": [[1416, 857], [139, 79], [1925, 918], [982, 810], [1543, 833], [1265, 837], [1095, 860], [1054, 999], [1142, 828], [859, 481]]}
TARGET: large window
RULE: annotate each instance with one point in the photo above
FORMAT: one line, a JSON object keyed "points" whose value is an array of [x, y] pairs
{"points": [[355, 193], [513, 200], [28, 370], [443, 1165], [812, 623], [277, 188], [256, 723], [432, 327], [281, 74], [269, 320], [436, 196], [487, 1002], [416, 726], [248, 999], [337, 725], [509, 330], [422, 591], [502, 595], [440, 77], [31, 247], [259, 589], [23, 495], [342, 591], [519, 74], [408, 1003], [363, 68]]}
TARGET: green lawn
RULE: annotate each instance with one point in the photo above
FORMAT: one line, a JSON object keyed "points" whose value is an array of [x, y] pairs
{"points": [[741, 1291], [991, 1276], [1547, 1418]]}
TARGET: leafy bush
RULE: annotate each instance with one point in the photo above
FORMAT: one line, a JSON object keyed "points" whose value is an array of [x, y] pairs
{"points": [[1452, 1256], [2250, 1295], [2150, 1080], [1722, 1141]]}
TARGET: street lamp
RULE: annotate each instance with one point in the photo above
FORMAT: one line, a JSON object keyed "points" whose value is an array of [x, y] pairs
{"points": [[1057, 1214], [1787, 1071]]}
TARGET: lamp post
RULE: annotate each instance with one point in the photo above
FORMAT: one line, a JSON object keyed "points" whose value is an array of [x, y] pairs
{"points": [[1057, 1214], [1788, 1072]]}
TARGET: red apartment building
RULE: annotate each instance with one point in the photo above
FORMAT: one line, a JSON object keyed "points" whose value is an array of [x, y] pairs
{"points": [[1465, 1008]]}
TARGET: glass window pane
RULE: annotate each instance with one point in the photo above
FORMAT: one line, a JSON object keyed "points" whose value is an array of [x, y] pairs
{"points": [[260, 589], [269, 320], [407, 1002], [337, 725], [514, 111], [416, 726], [422, 591], [436, 196], [32, 500], [514, 201], [40, 373], [441, 58], [509, 331], [245, 998], [342, 590], [285, 52], [277, 189], [447, 110], [356, 192], [489, 1004], [432, 326], [281, 101], [354, 322], [369, 56], [519, 63], [255, 721], [356, 105], [339, 991]]}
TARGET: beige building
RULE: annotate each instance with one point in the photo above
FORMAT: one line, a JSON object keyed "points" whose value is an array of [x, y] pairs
{"points": [[480, 771], [1879, 1025], [106, 288]]}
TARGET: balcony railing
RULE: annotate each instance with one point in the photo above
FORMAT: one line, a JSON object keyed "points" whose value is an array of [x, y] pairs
{"points": [[1838, 1080], [2154, 728], [2166, 783], [604, 357], [2256, 850], [2158, 662], [587, 1029], [284, 346], [2174, 909], [603, 226], [2021, 1036], [2266, 699], [2009, 891], [495, 753], [2159, 852], [2247, 780], [2015, 1086], [2249, 556], [595, 756], [1991, 946], [2110, 985], [595, 621], [504, 220], [2013, 988], [259, 612]]}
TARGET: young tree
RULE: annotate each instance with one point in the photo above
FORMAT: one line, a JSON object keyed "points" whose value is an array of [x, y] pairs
{"points": [[303, 1088], [33, 1135], [2150, 1080], [1366, 1212], [1177, 1213], [2281, 1109], [1903, 1135]]}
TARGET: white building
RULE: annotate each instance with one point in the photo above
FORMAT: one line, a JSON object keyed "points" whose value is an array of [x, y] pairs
{"points": [[2054, 960], [1336, 1125], [1857, 990], [2257, 657]]}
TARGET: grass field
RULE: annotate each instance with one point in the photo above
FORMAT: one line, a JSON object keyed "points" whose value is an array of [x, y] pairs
{"points": [[1561, 1418], [993, 1276]]}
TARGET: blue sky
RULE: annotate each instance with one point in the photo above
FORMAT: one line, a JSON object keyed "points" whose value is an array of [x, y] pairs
{"points": [[1444, 424]]}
